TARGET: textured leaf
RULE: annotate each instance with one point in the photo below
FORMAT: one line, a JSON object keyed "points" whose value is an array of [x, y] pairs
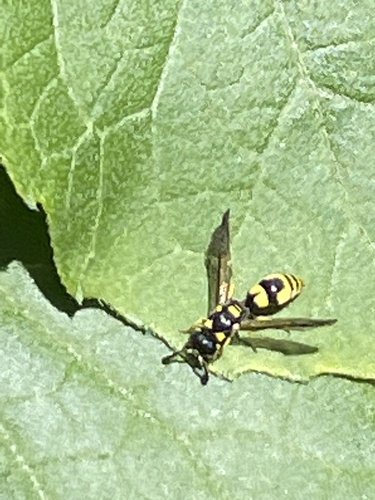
{"points": [[88, 411], [137, 126]]}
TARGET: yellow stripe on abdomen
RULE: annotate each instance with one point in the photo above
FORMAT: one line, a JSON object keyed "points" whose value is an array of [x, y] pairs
{"points": [[260, 296], [273, 293]]}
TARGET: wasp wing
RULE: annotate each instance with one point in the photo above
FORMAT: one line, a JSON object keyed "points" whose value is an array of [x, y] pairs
{"points": [[287, 347], [218, 264], [284, 323]]}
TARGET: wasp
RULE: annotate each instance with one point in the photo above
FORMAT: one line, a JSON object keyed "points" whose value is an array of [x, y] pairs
{"points": [[227, 316]]}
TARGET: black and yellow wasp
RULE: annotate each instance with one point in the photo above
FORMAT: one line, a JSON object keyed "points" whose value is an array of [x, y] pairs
{"points": [[227, 315]]}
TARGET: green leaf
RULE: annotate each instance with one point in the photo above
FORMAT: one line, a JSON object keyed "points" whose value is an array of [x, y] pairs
{"points": [[88, 411], [137, 126]]}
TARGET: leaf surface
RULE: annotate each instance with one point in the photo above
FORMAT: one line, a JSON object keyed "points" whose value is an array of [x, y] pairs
{"points": [[137, 126], [88, 411]]}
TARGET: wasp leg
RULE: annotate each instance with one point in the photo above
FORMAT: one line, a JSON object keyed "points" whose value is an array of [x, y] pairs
{"points": [[200, 323], [171, 357], [199, 367], [204, 377], [203, 374], [237, 340]]}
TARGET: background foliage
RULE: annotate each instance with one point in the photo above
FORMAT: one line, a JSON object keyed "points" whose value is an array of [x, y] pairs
{"points": [[136, 125]]}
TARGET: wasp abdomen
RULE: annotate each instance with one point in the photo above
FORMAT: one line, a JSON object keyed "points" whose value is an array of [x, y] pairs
{"points": [[273, 293]]}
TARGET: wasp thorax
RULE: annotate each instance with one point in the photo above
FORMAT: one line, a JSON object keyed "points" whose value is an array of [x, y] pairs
{"points": [[226, 316]]}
